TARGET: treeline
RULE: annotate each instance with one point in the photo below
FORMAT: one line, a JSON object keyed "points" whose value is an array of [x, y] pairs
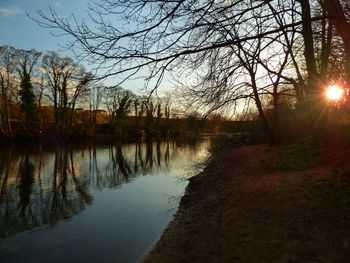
{"points": [[276, 56], [51, 95], [37, 88]]}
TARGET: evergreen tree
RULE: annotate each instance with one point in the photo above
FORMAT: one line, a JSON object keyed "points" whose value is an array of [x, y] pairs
{"points": [[27, 99]]}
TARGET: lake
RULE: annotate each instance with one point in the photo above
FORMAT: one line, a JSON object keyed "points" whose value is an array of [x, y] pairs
{"points": [[91, 203]]}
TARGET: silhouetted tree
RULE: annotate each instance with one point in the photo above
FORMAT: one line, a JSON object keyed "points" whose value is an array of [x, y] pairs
{"points": [[118, 102], [196, 40], [150, 110], [68, 82], [27, 98], [338, 12], [26, 63], [8, 88], [139, 110], [95, 100]]}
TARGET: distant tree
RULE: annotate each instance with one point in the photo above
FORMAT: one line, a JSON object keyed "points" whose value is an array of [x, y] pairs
{"points": [[68, 83], [8, 88], [39, 88], [150, 110], [95, 100], [167, 112], [215, 121], [27, 98], [159, 113], [194, 121], [139, 110], [26, 62], [118, 102], [167, 108], [222, 44]]}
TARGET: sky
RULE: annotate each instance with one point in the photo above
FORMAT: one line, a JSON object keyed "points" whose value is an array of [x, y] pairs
{"points": [[19, 31]]}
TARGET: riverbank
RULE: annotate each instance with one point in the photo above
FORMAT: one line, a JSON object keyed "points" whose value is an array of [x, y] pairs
{"points": [[261, 204]]}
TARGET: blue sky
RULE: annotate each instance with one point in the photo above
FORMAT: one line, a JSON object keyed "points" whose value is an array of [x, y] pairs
{"points": [[19, 31]]}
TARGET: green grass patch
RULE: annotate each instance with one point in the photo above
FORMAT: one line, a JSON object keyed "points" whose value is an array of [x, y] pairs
{"points": [[299, 155]]}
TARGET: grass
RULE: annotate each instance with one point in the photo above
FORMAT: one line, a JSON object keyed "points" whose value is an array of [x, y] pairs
{"points": [[299, 155], [333, 190]]}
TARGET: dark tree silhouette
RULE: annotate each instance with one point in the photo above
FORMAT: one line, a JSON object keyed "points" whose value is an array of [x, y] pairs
{"points": [[28, 100], [7, 88], [221, 51], [339, 16], [118, 102], [68, 83], [27, 61]]}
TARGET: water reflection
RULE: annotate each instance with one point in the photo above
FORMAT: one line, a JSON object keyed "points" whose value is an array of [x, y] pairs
{"points": [[39, 187], [34, 192]]}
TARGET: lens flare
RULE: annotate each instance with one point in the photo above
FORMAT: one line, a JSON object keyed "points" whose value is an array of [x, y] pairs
{"points": [[334, 93]]}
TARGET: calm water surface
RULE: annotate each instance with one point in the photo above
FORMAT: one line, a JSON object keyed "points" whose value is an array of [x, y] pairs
{"points": [[105, 203]]}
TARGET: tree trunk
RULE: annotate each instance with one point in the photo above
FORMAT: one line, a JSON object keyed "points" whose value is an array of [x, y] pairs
{"points": [[337, 17], [269, 132], [314, 102], [309, 51]]}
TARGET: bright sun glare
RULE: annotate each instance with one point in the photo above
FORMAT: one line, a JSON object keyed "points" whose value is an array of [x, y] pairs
{"points": [[334, 92]]}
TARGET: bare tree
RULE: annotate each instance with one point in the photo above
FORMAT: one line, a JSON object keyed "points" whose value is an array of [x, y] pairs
{"points": [[26, 61], [162, 33], [8, 88], [150, 110], [68, 82], [95, 100], [139, 110], [339, 12], [118, 102], [222, 44]]}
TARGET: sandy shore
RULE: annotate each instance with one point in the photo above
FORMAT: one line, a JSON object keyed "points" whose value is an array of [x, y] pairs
{"points": [[243, 208]]}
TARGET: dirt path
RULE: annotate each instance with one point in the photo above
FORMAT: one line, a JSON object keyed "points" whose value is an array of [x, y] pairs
{"points": [[242, 208]]}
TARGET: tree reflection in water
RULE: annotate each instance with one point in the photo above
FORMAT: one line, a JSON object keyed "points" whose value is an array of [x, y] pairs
{"points": [[68, 194], [45, 187], [29, 199], [26, 180]]}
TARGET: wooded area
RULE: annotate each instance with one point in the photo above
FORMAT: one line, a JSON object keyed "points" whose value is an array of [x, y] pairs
{"points": [[49, 95], [279, 55]]}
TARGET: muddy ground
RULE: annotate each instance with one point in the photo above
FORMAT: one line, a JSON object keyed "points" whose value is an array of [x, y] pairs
{"points": [[247, 207]]}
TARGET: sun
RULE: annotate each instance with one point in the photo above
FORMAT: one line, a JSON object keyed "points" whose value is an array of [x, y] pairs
{"points": [[334, 93]]}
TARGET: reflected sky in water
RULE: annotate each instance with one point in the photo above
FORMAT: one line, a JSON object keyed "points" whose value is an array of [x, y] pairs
{"points": [[94, 203]]}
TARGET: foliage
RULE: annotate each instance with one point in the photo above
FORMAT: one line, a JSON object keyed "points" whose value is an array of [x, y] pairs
{"points": [[27, 99]]}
